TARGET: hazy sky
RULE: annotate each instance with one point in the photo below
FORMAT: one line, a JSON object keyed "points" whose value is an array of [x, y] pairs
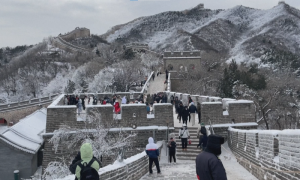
{"points": [[29, 21]]}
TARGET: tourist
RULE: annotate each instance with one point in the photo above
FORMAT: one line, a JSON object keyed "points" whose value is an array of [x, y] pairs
{"points": [[95, 101], [124, 100], [77, 160], [83, 102], [202, 135], [172, 100], [153, 153], [190, 100], [172, 150], [193, 111], [199, 112], [148, 108], [167, 74], [184, 135], [180, 111], [66, 101], [89, 97], [79, 106], [208, 161], [88, 167], [176, 102], [117, 108], [185, 113], [153, 76]]}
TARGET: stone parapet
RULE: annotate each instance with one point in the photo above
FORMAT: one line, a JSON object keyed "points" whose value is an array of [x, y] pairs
{"points": [[267, 154]]}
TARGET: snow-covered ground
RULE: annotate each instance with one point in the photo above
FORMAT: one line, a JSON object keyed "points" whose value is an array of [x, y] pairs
{"points": [[3, 128], [183, 170]]}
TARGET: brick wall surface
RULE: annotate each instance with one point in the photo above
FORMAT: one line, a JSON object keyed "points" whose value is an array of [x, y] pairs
{"points": [[262, 148], [132, 171]]}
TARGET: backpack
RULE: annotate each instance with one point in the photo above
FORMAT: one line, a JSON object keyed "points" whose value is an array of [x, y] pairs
{"points": [[95, 101], [87, 172]]}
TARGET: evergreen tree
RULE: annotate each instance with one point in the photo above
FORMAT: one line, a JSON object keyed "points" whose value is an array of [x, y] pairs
{"points": [[70, 87]]}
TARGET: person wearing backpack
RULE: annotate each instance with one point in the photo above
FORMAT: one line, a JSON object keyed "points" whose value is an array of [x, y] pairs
{"points": [[88, 167], [184, 135]]}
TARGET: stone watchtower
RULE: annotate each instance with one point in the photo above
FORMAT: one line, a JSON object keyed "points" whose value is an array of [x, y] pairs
{"points": [[182, 60]]}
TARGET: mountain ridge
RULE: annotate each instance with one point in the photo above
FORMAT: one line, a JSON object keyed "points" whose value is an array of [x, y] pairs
{"points": [[234, 32]]}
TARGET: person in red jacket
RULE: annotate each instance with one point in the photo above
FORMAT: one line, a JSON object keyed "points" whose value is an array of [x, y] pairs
{"points": [[117, 107]]}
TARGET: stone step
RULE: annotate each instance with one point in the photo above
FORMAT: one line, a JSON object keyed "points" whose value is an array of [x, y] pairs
{"points": [[192, 140], [189, 150], [191, 146], [186, 158], [186, 154]]}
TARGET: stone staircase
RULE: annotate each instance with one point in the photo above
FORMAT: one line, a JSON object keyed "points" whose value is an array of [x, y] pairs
{"points": [[192, 150]]}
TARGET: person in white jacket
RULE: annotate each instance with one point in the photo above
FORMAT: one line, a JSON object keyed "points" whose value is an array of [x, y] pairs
{"points": [[184, 135]]}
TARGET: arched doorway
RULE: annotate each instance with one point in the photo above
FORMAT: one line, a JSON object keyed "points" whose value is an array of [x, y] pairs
{"points": [[3, 121]]}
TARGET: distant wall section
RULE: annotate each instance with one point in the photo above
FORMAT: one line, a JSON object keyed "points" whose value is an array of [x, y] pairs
{"points": [[76, 33]]}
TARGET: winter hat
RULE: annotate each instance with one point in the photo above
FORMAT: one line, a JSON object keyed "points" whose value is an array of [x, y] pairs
{"points": [[214, 143], [184, 125], [202, 124], [192, 103]]}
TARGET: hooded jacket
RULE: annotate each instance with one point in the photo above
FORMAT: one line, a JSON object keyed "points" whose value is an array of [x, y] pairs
{"points": [[86, 153], [124, 101], [185, 132], [152, 149], [192, 108]]}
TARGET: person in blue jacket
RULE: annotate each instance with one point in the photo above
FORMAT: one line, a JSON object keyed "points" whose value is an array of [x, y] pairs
{"points": [[153, 153]]}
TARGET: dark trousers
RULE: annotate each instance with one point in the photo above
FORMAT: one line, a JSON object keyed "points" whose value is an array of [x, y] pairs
{"points": [[199, 117], [184, 121], [155, 160], [184, 142], [172, 154], [200, 140]]}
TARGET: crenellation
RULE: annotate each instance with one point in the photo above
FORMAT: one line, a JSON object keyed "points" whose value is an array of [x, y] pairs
{"points": [[276, 150]]}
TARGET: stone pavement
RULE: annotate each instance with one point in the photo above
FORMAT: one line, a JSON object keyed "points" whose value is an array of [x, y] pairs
{"points": [[157, 85], [186, 169]]}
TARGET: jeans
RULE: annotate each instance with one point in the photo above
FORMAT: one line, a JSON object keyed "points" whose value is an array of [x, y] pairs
{"points": [[184, 143], [172, 154], [155, 160]]}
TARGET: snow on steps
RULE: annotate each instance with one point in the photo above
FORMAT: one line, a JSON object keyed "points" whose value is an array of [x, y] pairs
{"points": [[192, 150]]}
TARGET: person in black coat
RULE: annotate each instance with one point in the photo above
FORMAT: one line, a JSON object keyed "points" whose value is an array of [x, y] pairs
{"points": [[180, 110], [172, 150], [176, 102], [208, 165], [185, 114]]}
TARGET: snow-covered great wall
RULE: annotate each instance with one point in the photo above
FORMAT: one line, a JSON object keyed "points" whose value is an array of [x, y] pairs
{"points": [[134, 167], [267, 154]]}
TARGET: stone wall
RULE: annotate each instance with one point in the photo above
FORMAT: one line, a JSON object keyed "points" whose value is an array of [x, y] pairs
{"points": [[76, 33], [154, 125], [136, 168], [218, 110], [14, 159], [188, 60], [267, 154]]}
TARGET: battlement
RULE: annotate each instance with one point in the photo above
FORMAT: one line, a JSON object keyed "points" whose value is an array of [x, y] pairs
{"points": [[76, 33], [220, 111], [131, 114], [181, 54], [273, 149], [201, 6], [137, 46]]}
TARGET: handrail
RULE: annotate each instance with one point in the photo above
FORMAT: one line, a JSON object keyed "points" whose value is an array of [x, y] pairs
{"points": [[146, 83]]}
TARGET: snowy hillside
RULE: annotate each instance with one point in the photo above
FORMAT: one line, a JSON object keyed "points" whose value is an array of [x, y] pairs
{"points": [[242, 33]]}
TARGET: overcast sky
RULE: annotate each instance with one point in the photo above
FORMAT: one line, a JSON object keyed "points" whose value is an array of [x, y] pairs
{"points": [[29, 21]]}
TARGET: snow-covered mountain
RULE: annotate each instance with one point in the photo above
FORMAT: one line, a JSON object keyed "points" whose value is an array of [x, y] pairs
{"points": [[241, 32]]}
